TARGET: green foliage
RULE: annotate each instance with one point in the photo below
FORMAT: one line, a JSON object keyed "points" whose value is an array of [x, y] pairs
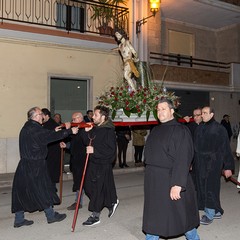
{"points": [[144, 100], [105, 14]]}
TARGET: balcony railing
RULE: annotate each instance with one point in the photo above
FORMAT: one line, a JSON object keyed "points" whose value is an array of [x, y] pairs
{"points": [[234, 2], [188, 61], [70, 15]]}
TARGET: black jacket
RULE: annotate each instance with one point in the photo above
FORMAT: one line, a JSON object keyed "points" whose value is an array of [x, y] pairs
{"points": [[32, 187], [54, 153]]}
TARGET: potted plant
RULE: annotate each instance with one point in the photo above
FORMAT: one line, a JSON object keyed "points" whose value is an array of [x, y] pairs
{"points": [[105, 14]]}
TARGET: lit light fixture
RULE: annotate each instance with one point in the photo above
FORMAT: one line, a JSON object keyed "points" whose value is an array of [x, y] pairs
{"points": [[154, 7]]}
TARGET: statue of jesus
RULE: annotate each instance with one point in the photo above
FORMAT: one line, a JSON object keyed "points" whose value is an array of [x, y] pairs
{"points": [[129, 56]]}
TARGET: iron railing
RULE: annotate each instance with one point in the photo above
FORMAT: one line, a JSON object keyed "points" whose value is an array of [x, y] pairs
{"points": [[234, 2], [188, 61], [71, 15]]}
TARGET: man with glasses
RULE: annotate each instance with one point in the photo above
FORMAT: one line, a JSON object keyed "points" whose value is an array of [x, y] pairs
{"points": [[77, 159], [197, 117], [54, 149], [213, 156], [32, 187]]}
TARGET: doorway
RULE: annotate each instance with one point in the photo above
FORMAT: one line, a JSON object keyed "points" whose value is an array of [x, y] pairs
{"points": [[69, 95], [191, 99]]}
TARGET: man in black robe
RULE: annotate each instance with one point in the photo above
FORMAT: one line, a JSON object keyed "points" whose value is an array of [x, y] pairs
{"points": [[57, 118], [226, 123], [32, 188], [99, 182], [54, 149], [170, 205], [77, 159], [212, 156], [197, 117], [88, 116]]}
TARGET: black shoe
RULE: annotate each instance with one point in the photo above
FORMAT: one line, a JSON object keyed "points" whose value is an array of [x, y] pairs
{"points": [[113, 209], [91, 221], [125, 165], [121, 165], [73, 206], [205, 220], [137, 164], [24, 223], [217, 216], [57, 217]]}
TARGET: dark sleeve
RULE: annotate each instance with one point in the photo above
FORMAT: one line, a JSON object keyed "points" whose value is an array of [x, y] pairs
{"points": [[105, 151], [47, 136], [226, 152], [182, 147]]}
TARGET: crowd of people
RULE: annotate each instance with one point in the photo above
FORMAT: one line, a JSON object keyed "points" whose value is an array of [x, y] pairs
{"points": [[183, 167]]}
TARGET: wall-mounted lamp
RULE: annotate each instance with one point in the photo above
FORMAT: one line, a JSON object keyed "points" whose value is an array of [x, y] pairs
{"points": [[154, 7]]}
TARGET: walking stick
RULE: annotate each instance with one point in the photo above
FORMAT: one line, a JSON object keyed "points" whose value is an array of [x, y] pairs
{"points": [[234, 181], [61, 175], [80, 190]]}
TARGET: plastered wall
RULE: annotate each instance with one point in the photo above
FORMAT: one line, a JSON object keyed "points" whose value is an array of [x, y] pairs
{"points": [[24, 73]]}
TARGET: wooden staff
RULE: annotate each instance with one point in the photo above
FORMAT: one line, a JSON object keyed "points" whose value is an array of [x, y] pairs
{"points": [[234, 180], [118, 124], [79, 125], [80, 190], [231, 179], [61, 175]]}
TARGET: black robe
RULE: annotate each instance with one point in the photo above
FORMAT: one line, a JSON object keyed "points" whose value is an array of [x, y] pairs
{"points": [[168, 154], [228, 127], [78, 157], [212, 155], [99, 181], [192, 127], [32, 187], [54, 153]]}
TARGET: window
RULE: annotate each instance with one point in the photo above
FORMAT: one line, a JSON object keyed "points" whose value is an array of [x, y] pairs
{"points": [[68, 96], [180, 43]]}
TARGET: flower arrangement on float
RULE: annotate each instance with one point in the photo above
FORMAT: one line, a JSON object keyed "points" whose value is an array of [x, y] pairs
{"points": [[142, 101]]}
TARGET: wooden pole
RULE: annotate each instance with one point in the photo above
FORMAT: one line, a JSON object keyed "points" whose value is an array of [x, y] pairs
{"points": [[234, 180], [61, 175], [80, 190]]}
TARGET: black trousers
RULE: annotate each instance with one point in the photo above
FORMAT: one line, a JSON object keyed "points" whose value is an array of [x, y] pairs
{"points": [[122, 151], [138, 153]]}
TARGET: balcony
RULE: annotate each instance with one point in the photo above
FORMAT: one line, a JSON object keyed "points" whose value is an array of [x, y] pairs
{"points": [[67, 15], [234, 2], [186, 70]]}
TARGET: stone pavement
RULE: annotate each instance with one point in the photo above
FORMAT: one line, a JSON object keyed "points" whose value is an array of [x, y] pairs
{"points": [[7, 178], [124, 225]]}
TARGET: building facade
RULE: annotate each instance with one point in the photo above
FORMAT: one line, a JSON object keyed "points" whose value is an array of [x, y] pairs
{"points": [[59, 39]]}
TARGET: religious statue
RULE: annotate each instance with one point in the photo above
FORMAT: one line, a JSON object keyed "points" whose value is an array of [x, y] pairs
{"points": [[129, 56]]}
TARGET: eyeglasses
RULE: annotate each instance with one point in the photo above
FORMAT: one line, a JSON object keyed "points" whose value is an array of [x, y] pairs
{"points": [[39, 114], [73, 119], [197, 115]]}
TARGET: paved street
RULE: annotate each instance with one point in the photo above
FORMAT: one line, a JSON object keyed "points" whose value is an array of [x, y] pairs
{"points": [[124, 225]]}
